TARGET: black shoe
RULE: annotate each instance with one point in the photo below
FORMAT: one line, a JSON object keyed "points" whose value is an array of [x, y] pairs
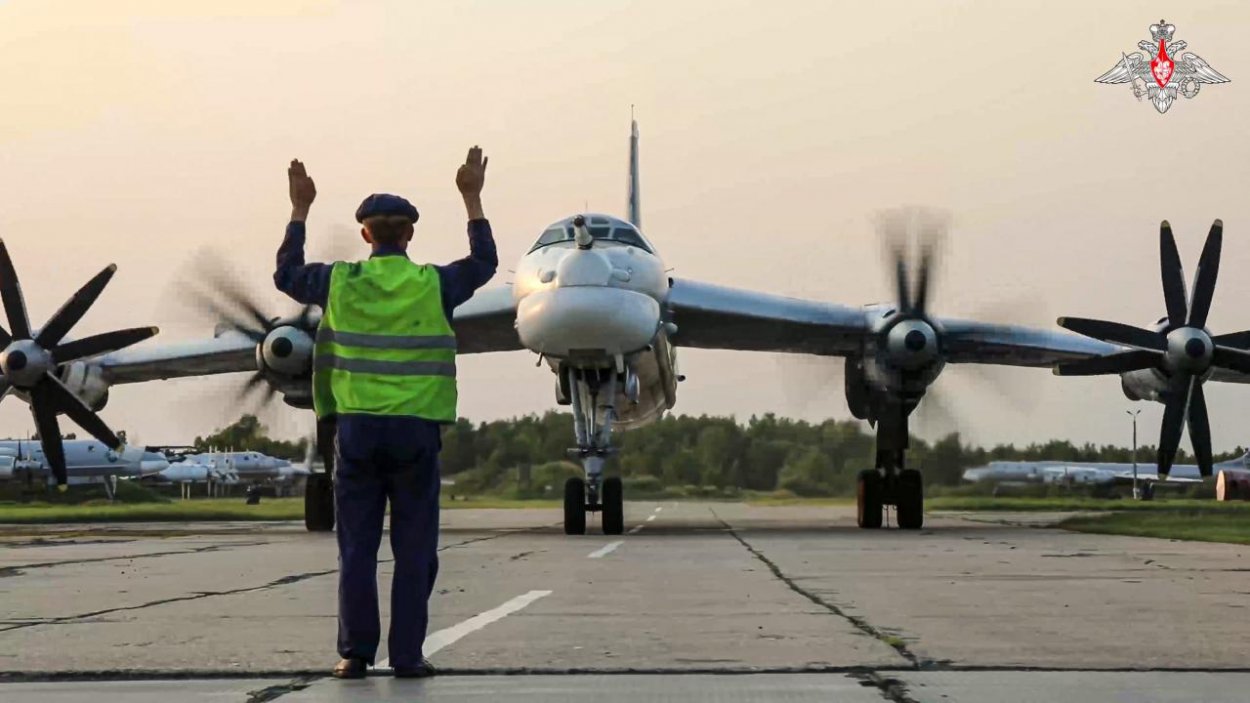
{"points": [[421, 671], [351, 668]]}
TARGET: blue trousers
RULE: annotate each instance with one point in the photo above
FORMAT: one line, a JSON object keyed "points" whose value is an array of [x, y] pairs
{"points": [[379, 459]]}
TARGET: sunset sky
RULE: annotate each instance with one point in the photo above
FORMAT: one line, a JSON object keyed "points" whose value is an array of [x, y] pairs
{"points": [[142, 133]]}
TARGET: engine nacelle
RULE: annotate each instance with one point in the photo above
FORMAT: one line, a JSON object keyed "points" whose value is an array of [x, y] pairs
{"points": [[1145, 384], [87, 382], [286, 351], [858, 394]]}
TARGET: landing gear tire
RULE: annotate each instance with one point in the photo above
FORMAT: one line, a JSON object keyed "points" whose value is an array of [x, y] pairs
{"points": [[910, 502], [575, 506], [869, 504], [613, 506], [319, 503]]}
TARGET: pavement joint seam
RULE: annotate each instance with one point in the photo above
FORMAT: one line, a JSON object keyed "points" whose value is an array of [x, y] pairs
{"points": [[8, 677], [858, 623]]}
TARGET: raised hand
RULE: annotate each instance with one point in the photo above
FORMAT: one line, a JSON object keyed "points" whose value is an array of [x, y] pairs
{"points": [[303, 190], [472, 174]]}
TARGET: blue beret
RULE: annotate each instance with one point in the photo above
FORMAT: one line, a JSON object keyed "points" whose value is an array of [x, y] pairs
{"points": [[387, 205]]}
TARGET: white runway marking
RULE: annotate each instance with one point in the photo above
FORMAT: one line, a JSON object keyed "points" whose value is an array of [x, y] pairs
{"points": [[650, 518], [605, 550], [451, 635], [659, 508], [634, 530]]}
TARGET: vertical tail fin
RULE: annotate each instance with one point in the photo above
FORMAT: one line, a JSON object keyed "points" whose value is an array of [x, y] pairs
{"points": [[634, 206]]}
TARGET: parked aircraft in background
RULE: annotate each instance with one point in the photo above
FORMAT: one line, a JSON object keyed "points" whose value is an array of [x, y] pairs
{"points": [[86, 461]]}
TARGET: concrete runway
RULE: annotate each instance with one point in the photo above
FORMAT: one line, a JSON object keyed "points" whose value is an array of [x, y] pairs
{"points": [[702, 601]]}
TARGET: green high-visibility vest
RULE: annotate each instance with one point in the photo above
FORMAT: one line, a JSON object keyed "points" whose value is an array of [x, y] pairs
{"points": [[385, 346]]}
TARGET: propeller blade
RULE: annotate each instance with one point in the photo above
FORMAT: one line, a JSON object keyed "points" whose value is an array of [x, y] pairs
{"points": [[934, 414], [1204, 279], [900, 283], [1200, 429], [931, 226], [11, 295], [101, 343], [922, 279], [1173, 420], [1173, 277], [74, 308], [1115, 332], [305, 317], [65, 401], [43, 409], [1112, 363], [1236, 340], [253, 381], [1228, 358], [226, 297]]}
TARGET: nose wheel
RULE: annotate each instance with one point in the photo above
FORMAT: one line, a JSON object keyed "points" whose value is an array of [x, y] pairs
{"points": [[575, 506], [611, 506]]}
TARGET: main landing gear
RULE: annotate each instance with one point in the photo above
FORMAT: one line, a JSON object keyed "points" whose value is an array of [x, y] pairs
{"points": [[904, 490], [890, 483], [319, 488], [593, 393]]}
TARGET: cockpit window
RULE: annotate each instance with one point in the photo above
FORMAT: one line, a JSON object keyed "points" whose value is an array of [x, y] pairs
{"points": [[599, 229], [553, 235], [631, 237]]}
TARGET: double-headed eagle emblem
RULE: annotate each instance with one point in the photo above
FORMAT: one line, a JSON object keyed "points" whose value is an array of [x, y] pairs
{"points": [[1163, 72]]}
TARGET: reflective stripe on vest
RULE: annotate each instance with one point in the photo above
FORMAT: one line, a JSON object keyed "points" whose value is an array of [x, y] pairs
{"points": [[385, 346]]}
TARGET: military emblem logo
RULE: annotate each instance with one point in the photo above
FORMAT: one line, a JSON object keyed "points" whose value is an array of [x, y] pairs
{"points": [[1163, 72]]}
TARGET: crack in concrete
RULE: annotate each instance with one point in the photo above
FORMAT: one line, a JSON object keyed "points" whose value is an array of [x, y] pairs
{"points": [[867, 628], [890, 688], [269, 693], [282, 581], [20, 569]]}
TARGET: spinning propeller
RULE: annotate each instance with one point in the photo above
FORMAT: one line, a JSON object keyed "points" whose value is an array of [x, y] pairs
{"points": [[1182, 348], [30, 360]]}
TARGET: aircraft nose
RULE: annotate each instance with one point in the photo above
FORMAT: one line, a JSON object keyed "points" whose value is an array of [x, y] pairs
{"points": [[583, 268]]}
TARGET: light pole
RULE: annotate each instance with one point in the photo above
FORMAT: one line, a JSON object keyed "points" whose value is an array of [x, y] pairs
{"points": [[1134, 413]]}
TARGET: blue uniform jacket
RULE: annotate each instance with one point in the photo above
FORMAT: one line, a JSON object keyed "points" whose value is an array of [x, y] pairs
{"points": [[310, 284]]}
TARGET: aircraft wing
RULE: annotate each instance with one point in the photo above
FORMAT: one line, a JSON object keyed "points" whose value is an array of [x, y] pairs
{"points": [[715, 317], [1228, 376], [487, 323], [229, 352], [969, 342], [484, 324]]}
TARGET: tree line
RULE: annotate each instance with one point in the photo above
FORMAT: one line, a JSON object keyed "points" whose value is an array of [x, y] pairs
{"points": [[764, 453], [714, 453]]}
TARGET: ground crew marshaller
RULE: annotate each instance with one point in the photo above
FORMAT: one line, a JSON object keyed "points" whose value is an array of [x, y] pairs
{"points": [[385, 368]]}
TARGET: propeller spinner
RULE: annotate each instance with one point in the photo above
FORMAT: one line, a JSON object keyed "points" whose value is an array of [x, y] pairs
{"points": [[1183, 350], [29, 362]]}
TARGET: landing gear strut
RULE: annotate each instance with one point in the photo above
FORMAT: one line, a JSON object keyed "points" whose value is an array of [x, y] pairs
{"points": [[593, 395]]}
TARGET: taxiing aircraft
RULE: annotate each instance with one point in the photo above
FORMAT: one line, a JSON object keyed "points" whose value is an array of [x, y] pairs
{"points": [[593, 300]]}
